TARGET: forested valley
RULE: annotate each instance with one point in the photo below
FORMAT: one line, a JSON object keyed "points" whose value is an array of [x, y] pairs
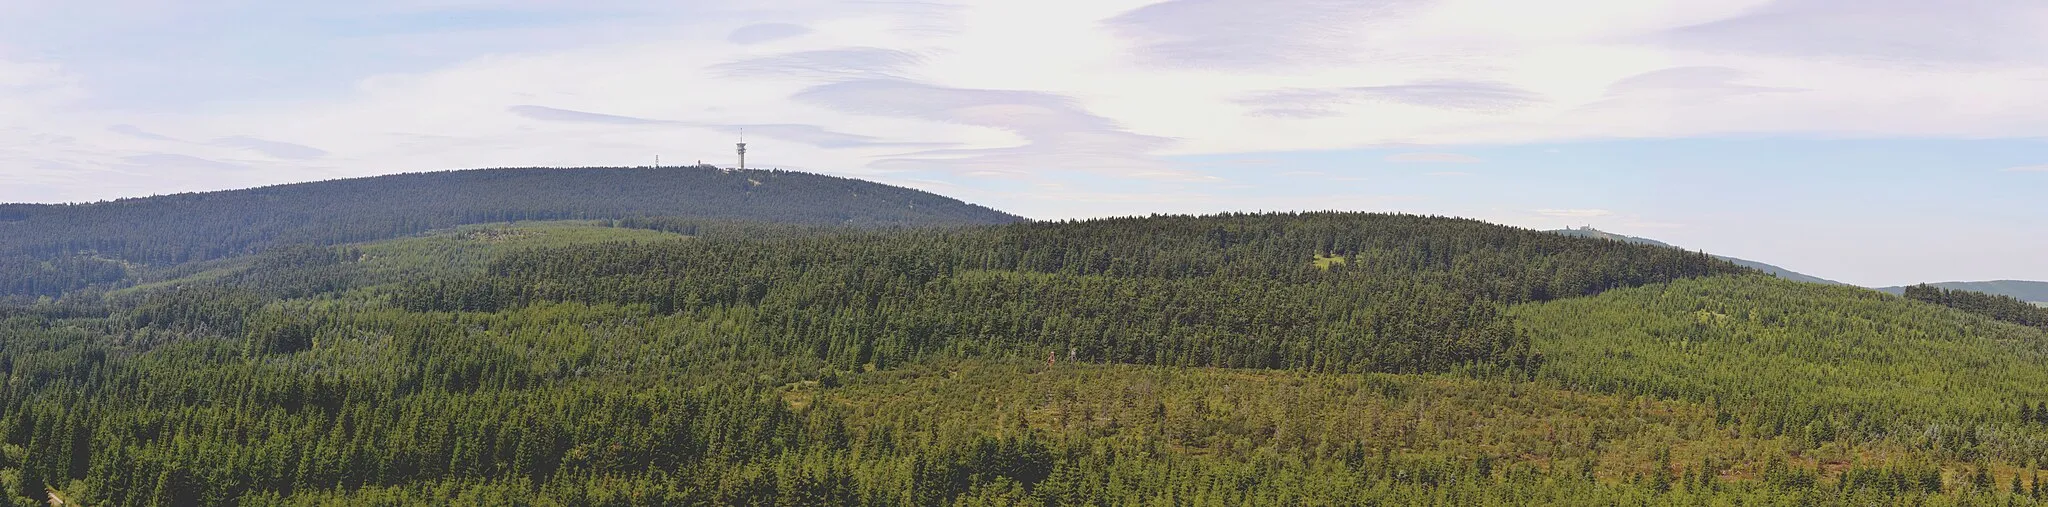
{"points": [[675, 358]]}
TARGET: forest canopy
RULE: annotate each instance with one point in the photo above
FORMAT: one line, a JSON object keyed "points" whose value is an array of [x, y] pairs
{"points": [[1237, 359]]}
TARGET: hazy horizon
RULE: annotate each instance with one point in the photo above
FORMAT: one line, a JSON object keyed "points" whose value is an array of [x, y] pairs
{"points": [[1899, 142]]}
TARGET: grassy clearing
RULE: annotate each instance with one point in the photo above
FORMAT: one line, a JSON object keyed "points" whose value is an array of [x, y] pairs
{"points": [[468, 248], [1325, 261]]}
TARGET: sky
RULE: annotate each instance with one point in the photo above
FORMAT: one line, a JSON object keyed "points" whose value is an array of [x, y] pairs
{"points": [[1875, 142]]}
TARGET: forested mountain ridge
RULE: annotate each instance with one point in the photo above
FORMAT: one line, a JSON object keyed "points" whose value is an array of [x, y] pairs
{"points": [[47, 249], [2000, 307], [2036, 292], [1779, 272], [2030, 291]]}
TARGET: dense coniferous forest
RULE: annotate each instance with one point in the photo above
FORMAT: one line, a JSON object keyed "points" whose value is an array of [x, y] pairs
{"points": [[1589, 232], [49, 249], [2005, 308], [1240, 359], [1413, 293], [2036, 292]]}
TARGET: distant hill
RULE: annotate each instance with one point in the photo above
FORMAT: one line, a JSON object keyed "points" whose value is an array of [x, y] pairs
{"points": [[1767, 268], [2036, 292], [47, 249]]}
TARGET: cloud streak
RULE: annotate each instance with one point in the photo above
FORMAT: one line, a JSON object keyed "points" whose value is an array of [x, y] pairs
{"points": [[1251, 34], [174, 161], [1574, 213], [1058, 133], [1490, 98], [544, 113], [1715, 80], [1898, 31], [275, 149], [138, 133], [807, 134], [765, 32], [825, 64], [1434, 158]]}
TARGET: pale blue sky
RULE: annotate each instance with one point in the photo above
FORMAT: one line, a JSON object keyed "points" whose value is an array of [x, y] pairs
{"points": [[1898, 141]]}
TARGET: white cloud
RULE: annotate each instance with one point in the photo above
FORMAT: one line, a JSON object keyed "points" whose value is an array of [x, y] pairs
{"points": [[2028, 169]]}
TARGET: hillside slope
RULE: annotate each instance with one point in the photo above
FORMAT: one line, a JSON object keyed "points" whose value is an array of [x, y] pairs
{"points": [[1792, 357], [1759, 266], [1414, 293], [299, 271], [1997, 307], [2036, 292], [47, 249]]}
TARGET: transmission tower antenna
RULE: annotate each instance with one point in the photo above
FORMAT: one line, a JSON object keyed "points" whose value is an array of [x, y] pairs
{"points": [[743, 149]]}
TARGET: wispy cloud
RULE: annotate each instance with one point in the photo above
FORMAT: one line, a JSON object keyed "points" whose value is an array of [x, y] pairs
{"points": [[1059, 134], [1574, 213], [1242, 34], [1450, 95], [2043, 168], [276, 149], [1715, 80], [807, 134], [1895, 31], [765, 32], [138, 133], [544, 113], [174, 161], [842, 63], [1428, 157]]}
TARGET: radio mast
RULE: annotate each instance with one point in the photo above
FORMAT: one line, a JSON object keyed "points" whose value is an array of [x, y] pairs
{"points": [[743, 149]]}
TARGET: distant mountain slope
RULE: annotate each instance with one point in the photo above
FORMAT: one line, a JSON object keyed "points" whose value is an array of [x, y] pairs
{"points": [[1767, 268], [47, 249], [2036, 292], [1997, 307]]}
